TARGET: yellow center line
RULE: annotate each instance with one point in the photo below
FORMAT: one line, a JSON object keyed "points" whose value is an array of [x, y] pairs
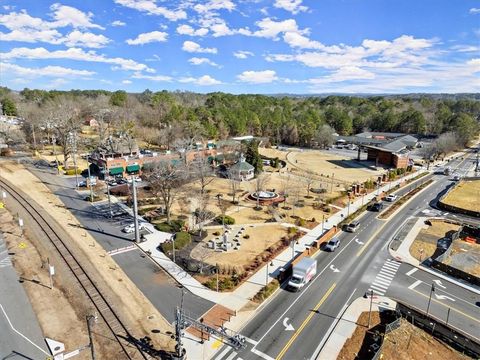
{"points": [[362, 249], [305, 322], [447, 306]]}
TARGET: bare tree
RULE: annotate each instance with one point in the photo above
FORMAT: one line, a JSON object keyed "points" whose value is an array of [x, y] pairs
{"points": [[447, 142], [429, 152], [309, 179], [260, 184], [200, 203], [165, 181], [201, 170], [324, 136], [234, 184]]}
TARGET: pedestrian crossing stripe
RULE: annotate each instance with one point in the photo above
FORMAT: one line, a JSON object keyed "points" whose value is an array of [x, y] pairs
{"points": [[216, 344]]}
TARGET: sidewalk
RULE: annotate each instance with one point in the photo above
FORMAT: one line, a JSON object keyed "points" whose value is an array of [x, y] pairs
{"points": [[347, 324]]}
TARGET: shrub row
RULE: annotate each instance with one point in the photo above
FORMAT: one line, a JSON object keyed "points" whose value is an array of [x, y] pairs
{"points": [[266, 291], [182, 239]]}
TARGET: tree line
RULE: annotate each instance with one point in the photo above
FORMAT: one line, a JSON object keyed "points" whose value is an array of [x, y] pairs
{"points": [[160, 118]]}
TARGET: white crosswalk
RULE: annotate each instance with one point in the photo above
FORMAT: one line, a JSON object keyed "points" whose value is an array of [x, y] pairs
{"points": [[385, 276], [5, 262]]}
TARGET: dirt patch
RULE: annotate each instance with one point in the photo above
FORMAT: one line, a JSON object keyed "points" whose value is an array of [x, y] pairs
{"points": [[465, 195], [425, 243], [465, 256], [411, 343], [215, 317], [136, 311], [404, 343]]}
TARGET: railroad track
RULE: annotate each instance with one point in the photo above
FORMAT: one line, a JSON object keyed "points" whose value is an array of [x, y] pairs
{"points": [[131, 349]]}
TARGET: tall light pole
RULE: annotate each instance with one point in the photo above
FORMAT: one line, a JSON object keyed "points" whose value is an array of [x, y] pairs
{"points": [[173, 247], [266, 276], [323, 223], [89, 179], [348, 208], [135, 210], [370, 311], [74, 149], [54, 140], [224, 236], [108, 195], [432, 289]]}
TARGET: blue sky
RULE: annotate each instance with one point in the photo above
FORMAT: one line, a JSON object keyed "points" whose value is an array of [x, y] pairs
{"points": [[242, 46]]}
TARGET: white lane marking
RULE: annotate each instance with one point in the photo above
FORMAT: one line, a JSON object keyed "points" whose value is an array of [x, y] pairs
{"points": [[251, 341], [19, 333], [388, 271], [391, 267], [327, 334], [395, 264], [439, 283], [384, 278], [223, 353], [261, 354], [380, 285], [387, 274], [375, 287], [415, 284], [411, 272], [443, 297], [381, 293], [382, 281], [231, 356], [393, 261]]}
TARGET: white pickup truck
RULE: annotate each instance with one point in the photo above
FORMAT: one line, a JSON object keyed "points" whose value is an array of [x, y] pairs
{"points": [[302, 273]]}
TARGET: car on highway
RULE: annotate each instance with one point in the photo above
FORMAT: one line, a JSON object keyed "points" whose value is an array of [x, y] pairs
{"points": [[353, 226], [391, 198], [130, 228], [376, 206], [332, 245]]}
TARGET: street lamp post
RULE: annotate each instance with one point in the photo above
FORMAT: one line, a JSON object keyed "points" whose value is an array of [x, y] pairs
{"points": [[74, 149], [266, 276], [432, 289], [224, 236], [323, 223], [135, 210], [348, 208], [55, 154], [173, 247], [89, 179], [370, 311], [109, 200]]}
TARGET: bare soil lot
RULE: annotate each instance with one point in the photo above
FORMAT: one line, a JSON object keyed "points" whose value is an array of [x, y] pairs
{"points": [[465, 256], [465, 195], [405, 343]]}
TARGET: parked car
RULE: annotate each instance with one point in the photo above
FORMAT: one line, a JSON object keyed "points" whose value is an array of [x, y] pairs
{"points": [[332, 245], [391, 198], [353, 226], [456, 178], [112, 183], [82, 183], [137, 179], [376, 206]]}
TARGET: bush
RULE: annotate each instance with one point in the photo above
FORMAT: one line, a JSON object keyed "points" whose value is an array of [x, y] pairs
{"points": [[327, 209], [292, 230], [300, 222], [227, 220], [225, 283], [182, 239], [121, 190], [216, 233], [72, 171], [246, 236], [266, 291]]}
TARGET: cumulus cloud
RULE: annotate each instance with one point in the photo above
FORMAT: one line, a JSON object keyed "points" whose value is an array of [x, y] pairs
{"points": [[188, 30], [77, 38], [212, 5], [49, 71], [241, 54], [66, 15], [293, 6], [200, 61], [126, 82], [258, 77], [474, 11], [150, 7], [205, 80], [118, 23], [159, 78], [190, 46], [76, 54], [270, 28], [145, 38]]}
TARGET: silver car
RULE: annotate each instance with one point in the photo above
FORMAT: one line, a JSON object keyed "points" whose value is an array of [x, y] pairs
{"points": [[332, 245]]}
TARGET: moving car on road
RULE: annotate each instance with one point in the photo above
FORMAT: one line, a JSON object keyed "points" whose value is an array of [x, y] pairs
{"points": [[302, 273], [332, 245], [391, 198], [353, 226], [376, 206]]}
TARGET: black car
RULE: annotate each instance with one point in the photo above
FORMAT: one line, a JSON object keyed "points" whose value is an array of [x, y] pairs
{"points": [[376, 206]]}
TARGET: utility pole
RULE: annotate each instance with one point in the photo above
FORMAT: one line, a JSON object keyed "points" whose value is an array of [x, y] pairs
{"points": [[109, 200], [323, 223], [432, 289], [34, 139], [370, 311], [74, 149], [135, 210], [54, 140], [89, 179]]}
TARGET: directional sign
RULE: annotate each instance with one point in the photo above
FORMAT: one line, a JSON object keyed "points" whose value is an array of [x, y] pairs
{"points": [[443, 297], [288, 327], [439, 283], [334, 269], [358, 241]]}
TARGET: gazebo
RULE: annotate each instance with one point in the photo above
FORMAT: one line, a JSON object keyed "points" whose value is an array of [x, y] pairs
{"points": [[242, 170]]}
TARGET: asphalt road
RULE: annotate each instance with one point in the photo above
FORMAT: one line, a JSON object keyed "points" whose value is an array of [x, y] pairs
{"points": [[361, 262], [20, 334], [162, 290]]}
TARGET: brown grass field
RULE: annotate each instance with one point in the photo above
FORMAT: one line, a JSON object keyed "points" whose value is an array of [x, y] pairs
{"points": [[466, 195]]}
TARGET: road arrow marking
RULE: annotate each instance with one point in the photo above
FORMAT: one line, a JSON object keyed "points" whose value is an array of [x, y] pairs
{"points": [[415, 284], [334, 269], [359, 242], [443, 297], [439, 283], [288, 327]]}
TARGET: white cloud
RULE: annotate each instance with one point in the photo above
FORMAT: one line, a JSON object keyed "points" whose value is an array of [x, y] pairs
{"points": [[190, 46], [126, 82], [293, 6], [205, 80], [50, 71], [159, 78], [345, 73], [188, 30], [118, 23], [67, 15], [241, 54], [258, 77], [270, 28], [74, 54], [200, 61], [151, 8], [145, 38], [77, 38], [211, 5], [474, 11], [296, 40]]}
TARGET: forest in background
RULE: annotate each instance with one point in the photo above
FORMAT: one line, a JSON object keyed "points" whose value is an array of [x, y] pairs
{"points": [[160, 118]]}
